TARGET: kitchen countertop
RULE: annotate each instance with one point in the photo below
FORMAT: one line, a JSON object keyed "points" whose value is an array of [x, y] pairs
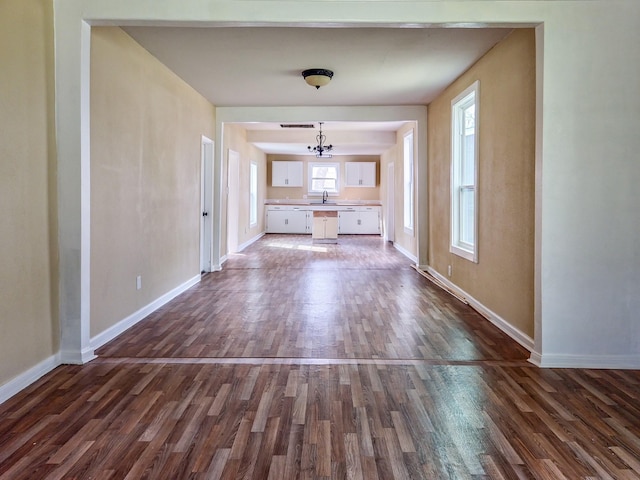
{"points": [[331, 203]]}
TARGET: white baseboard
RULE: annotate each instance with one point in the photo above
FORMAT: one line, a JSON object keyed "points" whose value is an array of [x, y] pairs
{"points": [[554, 360], [251, 241], [516, 334], [406, 253], [25, 379], [115, 330]]}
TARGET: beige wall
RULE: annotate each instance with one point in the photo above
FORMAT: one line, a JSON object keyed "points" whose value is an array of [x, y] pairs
{"points": [[406, 240], [146, 127], [503, 278], [235, 138], [29, 329], [346, 193]]}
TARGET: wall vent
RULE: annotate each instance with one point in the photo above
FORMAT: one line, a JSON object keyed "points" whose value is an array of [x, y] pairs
{"points": [[297, 125]]}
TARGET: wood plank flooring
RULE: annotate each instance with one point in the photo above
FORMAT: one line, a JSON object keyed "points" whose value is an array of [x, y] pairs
{"points": [[318, 362]]}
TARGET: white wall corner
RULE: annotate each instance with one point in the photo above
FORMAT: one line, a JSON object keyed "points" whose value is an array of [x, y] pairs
{"points": [[523, 339], [126, 323], [25, 379]]}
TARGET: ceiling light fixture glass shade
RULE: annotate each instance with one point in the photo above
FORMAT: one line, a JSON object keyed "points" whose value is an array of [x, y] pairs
{"points": [[321, 150], [317, 77]]}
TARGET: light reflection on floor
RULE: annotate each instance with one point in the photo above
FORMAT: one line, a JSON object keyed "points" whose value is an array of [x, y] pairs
{"points": [[297, 246]]}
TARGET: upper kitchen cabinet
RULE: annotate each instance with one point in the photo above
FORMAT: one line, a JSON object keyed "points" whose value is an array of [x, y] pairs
{"points": [[360, 174], [286, 173]]}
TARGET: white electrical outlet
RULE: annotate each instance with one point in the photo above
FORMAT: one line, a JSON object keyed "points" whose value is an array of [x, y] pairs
{"points": [[138, 282], [449, 270]]}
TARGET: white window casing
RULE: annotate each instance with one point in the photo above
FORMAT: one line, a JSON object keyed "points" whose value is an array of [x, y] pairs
{"points": [[324, 176], [464, 173]]}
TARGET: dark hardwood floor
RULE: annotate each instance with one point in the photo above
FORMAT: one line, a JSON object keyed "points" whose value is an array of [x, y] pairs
{"points": [[320, 361]]}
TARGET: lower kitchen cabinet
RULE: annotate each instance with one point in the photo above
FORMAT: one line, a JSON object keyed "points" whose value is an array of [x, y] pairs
{"points": [[359, 220], [287, 220]]}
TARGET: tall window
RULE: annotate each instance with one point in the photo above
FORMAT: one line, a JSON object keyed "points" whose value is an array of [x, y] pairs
{"points": [[253, 195], [324, 176], [408, 182], [464, 173]]}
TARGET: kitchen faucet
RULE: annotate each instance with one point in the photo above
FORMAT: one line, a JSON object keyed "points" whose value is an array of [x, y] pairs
{"points": [[325, 196]]}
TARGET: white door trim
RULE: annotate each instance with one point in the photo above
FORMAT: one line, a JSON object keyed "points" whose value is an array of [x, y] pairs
{"points": [[206, 204], [389, 230]]}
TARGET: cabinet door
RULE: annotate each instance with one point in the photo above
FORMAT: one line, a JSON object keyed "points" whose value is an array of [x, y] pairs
{"points": [[277, 221], [297, 221], [348, 222], [370, 222], [331, 227], [318, 227], [279, 174], [295, 174], [352, 174], [368, 174]]}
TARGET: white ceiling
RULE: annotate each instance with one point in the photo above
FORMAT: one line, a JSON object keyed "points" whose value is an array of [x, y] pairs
{"points": [[261, 67]]}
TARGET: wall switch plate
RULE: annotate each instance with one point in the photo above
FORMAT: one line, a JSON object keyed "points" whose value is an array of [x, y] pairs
{"points": [[449, 270], [138, 282]]}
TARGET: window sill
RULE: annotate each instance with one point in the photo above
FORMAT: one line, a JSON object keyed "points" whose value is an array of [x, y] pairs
{"points": [[466, 254]]}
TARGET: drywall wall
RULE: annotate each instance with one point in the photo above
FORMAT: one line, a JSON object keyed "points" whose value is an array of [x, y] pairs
{"points": [[146, 128], [345, 193], [585, 130], [235, 138], [502, 280], [29, 330]]}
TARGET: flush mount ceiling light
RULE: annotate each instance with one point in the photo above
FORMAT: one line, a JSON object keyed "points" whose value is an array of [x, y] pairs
{"points": [[317, 77], [321, 150]]}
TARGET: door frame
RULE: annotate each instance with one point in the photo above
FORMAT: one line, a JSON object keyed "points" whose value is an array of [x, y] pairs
{"points": [[206, 204], [389, 230]]}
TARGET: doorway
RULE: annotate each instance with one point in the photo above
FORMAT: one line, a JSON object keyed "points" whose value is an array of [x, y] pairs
{"points": [[206, 199]]}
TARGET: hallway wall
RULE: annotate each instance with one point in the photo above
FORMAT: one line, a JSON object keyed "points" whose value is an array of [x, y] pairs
{"points": [[146, 127], [29, 328], [235, 138], [503, 278]]}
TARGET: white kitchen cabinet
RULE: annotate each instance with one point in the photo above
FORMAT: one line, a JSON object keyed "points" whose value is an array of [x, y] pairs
{"points": [[359, 220], [348, 222], [287, 220], [286, 173], [360, 174], [325, 227]]}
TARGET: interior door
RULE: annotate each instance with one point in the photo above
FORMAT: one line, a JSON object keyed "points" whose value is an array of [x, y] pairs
{"points": [[389, 231], [206, 198], [233, 201]]}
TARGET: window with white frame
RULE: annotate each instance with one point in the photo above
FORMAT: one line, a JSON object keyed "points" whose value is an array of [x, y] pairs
{"points": [[253, 194], [464, 173], [408, 182], [324, 177]]}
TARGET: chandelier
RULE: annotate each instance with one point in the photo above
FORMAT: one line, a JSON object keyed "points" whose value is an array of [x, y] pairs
{"points": [[321, 150]]}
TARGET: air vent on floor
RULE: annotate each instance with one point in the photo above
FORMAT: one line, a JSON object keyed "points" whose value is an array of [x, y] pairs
{"points": [[297, 125]]}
